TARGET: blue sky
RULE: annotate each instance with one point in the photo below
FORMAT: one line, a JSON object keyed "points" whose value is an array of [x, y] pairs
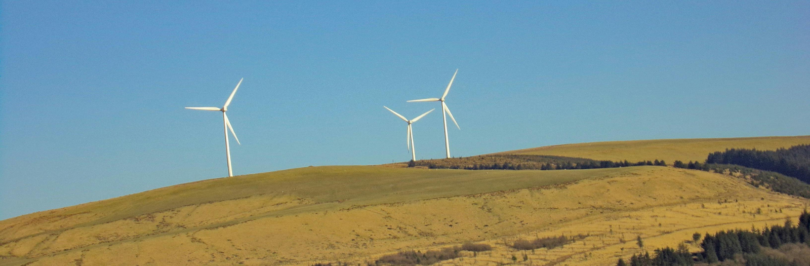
{"points": [[92, 92]]}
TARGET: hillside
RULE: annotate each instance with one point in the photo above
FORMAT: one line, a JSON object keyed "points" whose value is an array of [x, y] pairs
{"points": [[359, 213], [668, 150]]}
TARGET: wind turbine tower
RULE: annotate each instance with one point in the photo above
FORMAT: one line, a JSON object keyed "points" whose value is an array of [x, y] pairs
{"points": [[411, 146], [444, 110], [227, 124]]}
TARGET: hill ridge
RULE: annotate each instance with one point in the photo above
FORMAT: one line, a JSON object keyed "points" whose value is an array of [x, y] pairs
{"points": [[662, 149], [359, 213]]}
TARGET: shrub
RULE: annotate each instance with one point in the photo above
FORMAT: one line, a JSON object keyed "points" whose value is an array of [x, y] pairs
{"points": [[546, 242], [475, 247], [523, 244], [416, 257]]}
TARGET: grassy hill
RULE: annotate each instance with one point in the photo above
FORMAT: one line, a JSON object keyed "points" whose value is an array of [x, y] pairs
{"points": [[668, 150], [359, 213]]}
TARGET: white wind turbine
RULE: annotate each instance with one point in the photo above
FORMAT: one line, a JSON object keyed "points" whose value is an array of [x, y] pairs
{"points": [[411, 146], [444, 109], [227, 124]]}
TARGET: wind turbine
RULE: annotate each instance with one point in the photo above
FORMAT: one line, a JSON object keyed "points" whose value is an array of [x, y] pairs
{"points": [[227, 124], [411, 146], [444, 109]]}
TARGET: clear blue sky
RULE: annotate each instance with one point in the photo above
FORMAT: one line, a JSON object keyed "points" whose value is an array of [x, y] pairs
{"points": [[93, 91]]}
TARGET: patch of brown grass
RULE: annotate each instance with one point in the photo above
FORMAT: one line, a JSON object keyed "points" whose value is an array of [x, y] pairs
{"points": [[357, 215], [665, 149]]}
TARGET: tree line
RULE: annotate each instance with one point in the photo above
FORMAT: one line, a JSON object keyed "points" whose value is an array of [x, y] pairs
{"points": [[691, 165], [737, 247], [526, 162], [794, 161], [757, 177]]}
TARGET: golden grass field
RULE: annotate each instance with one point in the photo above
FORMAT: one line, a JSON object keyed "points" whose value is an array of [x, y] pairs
{"points": [[668, 150], [357, 214]]}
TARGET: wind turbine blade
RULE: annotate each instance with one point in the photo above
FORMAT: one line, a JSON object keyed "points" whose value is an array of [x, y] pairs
{"points": [[423, 115], [448, 85], [395, 113], [203, 108], [409, 138], [451, 114], [228, 123], [425, 100], [233, 93]]}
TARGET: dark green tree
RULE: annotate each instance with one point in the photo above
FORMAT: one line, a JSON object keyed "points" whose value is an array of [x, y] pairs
{"points": [[804, 220], [709, 252], [727, 245], [669, 256], [773, 239], [748, 242]]}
